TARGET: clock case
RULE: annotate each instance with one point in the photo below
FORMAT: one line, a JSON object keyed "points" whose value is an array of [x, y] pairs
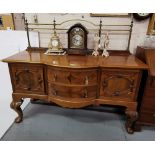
{"points": [[82, 50]]}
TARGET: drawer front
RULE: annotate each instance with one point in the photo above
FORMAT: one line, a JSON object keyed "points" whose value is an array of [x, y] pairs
{"points": [[119, 84], [147, 117], [27, 78], [78, 77], [72, 92]]}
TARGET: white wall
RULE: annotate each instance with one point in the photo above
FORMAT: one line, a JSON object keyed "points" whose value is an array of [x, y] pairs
{"points": [[11, 42], [116, 41]]}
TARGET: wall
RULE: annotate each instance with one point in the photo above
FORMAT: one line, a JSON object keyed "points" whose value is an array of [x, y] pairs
{"points": [[11, 42], [116, 41]]}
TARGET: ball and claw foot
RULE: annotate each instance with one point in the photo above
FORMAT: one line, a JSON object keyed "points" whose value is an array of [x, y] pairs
{"points": [[132, 117], [18, 119], [130, 130]]}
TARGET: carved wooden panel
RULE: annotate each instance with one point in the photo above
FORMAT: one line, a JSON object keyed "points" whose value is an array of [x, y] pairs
{"points": [[27, 78], [73, 76], [119, 84]]}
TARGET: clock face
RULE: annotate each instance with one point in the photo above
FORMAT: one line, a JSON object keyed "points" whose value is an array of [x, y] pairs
{"points": [[143, 14], [54, 43], [77, 40]]}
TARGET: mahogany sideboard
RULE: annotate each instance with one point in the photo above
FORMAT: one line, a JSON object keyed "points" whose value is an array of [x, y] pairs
{"points": [[147, 95], [75, 81]]}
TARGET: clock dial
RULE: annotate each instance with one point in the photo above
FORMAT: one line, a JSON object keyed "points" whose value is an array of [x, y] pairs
{"points": [[143, 14], [54, 43], [77, 40]]}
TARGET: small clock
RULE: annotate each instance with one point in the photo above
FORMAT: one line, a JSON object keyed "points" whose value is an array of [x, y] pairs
{"points": [[54, 46], [77, 37]]}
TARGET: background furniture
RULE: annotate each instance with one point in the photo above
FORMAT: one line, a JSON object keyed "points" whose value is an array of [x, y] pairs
{"points": [[76, 81], [147, 97]]}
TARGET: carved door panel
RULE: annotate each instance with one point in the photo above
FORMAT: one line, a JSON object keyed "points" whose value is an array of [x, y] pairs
{"points": [[119, 84], [27, 78]]}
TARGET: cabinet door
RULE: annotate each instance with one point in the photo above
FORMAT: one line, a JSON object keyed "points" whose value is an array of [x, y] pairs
{"points": [[119, 84], [27, 78]]}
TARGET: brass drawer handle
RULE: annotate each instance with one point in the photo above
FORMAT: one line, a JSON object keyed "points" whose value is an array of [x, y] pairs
{"points": [[86, 80], [26, 70], [69, 77], [116, 93], [104, 84], [132, 86], [29, 88], [85, 93], [54, 92], [55, 77]]}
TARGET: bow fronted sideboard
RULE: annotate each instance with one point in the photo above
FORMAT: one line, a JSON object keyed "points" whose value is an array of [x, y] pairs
{"points": [[74, 81]]}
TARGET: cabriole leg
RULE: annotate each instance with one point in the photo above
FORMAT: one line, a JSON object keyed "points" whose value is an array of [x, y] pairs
{"points": [[15, 105], [132, 117]]}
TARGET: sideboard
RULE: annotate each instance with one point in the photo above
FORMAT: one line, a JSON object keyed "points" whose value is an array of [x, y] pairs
{"points": [[75, 81]]}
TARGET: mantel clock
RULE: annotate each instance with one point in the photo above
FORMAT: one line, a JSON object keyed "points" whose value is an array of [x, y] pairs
{"points": [[77, 37]]}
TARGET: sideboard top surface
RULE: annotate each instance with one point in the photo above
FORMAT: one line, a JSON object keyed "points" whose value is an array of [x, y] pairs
{"points": [[77, 61]]}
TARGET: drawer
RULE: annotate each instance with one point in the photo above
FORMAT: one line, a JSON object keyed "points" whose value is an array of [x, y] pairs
{"points": [[147, 117], [72, 92], [119, 84], [70, 76], [27, 78]]}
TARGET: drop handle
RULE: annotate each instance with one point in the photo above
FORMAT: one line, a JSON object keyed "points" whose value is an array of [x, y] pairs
{"points": [[132, 86], [86, 80], [29, 88], [26, 70], [16, 77], [104, 83], [116, 93], [40, 80], [55, 77], [69, 77], [85, 93], [54, 92]]}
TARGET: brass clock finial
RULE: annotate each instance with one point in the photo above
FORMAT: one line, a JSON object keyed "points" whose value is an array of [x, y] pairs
{"points": [[54, 23]]}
